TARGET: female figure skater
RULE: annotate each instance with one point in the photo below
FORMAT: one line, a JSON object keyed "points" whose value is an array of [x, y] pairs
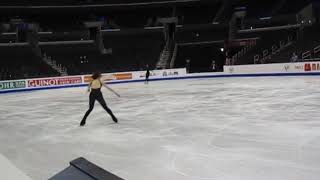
{"points": [[95, 94]]}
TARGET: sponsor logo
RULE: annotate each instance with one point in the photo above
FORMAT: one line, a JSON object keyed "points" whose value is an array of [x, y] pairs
{"points": [[299, 67], [170, 73], [312, 67], [164, 74], [143, 75], [87, 79], [12, 85], [120, 76], [175, 73], [287, 67], [123, 76], [231, 70], [307, 67], [54, 81]]}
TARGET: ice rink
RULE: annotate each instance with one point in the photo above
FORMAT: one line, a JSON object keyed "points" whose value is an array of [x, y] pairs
{"points": [[265, 128]]}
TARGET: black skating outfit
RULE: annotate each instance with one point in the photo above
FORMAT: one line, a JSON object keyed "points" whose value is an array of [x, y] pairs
{"points": [[96, 94]]}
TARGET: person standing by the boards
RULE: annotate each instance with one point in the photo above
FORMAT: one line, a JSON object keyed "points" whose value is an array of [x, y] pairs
{"points": [[147, 74]]}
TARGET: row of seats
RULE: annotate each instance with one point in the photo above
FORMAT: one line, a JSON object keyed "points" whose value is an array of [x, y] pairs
{"points": [[125, 53], [266, 41], [267, 8], [20, 63], [308, 42], [294, 41]]}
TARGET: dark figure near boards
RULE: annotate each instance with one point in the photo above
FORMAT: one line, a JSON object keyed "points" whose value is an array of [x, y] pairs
{"points": [[147, 74]]}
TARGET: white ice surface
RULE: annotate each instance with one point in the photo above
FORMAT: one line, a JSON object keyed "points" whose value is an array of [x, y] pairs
{"points": [[9, 171], [217, 129]]}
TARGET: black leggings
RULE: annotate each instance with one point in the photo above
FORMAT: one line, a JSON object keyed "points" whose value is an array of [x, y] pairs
{"points": [[96, 94], [147, 78]]}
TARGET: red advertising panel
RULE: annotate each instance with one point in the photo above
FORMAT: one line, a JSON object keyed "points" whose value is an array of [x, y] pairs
{"points": [[312, 66], [54, 81], [118, 76]]}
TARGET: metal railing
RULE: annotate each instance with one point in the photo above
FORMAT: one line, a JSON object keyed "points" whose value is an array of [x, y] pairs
{"points": [[57, 67], [163, 59], [275, 49], [256, 59], [306, 55], [241, 53], [311, 59], [316, 51], [173, 59]]}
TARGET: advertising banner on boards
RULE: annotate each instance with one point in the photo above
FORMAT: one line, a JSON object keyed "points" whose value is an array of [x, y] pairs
{"points": [[12, 84], [110, 77], [299, 67], [165, 73], [47, 82]]}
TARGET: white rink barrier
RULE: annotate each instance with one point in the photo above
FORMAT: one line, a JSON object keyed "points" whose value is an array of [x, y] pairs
{"points": [[286, 68], [9, 171], [82, 80], [280, 69]]}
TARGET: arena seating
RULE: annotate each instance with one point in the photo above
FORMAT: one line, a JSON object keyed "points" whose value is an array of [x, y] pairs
{"points": [[141, 36], [308, 42], [127, 53], [291, 8], [266, 41], [20, 62]]}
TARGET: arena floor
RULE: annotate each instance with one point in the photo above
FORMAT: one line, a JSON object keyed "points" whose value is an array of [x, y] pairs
{"points": [[216, 129]]}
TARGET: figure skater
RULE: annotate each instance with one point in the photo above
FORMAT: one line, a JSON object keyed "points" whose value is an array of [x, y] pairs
{"points": [[95, 94], [147, 75]]}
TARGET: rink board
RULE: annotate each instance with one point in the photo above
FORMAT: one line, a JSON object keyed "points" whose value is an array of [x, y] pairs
{"points": [[265, 70]]}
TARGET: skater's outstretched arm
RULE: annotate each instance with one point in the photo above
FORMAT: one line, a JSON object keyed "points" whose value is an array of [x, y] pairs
{"points": [[111, 90], [89, 87], [106, 86]]}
